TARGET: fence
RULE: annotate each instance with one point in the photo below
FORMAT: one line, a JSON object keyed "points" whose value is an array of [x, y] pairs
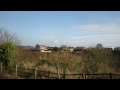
{"points": [[38, 74]]}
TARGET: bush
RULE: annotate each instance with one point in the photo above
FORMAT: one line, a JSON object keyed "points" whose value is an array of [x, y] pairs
{"points": [[8, 54]]}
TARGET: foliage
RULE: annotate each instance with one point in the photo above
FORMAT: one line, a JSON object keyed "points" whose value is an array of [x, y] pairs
{"points": [[88, 61], [55, 48], [8, 53], [44, 60], [98, 61]]}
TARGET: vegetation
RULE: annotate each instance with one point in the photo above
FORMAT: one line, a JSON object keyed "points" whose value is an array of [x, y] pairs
{"points": [[84, 61], [8, 50], [6, 36], [88, 61], [93, 61], [8, 54]]}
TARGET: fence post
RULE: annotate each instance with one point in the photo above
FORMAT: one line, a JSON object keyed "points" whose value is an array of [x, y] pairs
{"points": [[0, 66], [64, 72], [49, 74], [80, 76], [58, 72], [84, 76], [35, 72], [63, 75], [110, 76], [16, 70]]}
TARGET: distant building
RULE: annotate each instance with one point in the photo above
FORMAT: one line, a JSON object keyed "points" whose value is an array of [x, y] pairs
{"points": [[71, 49], [42, 48], [80, 48], [45, 51], [63, 48], [117, 48], [109, 48]]}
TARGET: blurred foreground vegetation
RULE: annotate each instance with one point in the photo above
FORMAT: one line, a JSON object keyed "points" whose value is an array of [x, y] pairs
{"points": [[89, 61]]}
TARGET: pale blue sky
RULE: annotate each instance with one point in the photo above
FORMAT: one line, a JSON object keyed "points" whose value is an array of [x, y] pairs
{"points": [[55, 28]]}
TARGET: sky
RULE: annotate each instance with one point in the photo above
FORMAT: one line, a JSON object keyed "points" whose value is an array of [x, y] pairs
{"points": [[56, 28]]}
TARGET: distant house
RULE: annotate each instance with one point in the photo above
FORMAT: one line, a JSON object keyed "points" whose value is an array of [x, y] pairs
{"points": [[71, 49], [46, 51], [42, 48], [63, 48], [79, 48], [117, 48], [53, 48], [109, 48]]}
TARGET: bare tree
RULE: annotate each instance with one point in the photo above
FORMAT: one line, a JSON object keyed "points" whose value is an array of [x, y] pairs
{"points": [[63, 46], [99, 46], [5, 36], [37, 47]]}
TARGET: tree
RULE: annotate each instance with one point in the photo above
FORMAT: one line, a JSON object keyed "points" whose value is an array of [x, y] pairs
{"points": [[5, 36], [37, 47], [63, 47], [99, 46], [55, 48], [8, 53]]}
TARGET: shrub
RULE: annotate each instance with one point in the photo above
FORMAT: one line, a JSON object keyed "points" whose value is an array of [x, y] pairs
{"points": [[8, 54]]}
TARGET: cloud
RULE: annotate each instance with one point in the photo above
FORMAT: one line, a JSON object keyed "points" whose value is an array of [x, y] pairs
{"points": [[109, 36], [109, 39], [108, 27], [83, 35], [56, 41], [87, 34]]}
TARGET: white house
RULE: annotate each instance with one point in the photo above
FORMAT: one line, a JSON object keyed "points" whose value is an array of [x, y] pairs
{"points": [[42, 48], [109, 48], [71, 49], [46, 51]]}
